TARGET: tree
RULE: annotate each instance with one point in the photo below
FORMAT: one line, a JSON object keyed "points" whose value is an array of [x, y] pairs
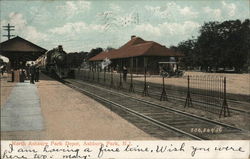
{"points": [[109, 48], [219, 45], [188, 49], [208, 46], [94, 52]]}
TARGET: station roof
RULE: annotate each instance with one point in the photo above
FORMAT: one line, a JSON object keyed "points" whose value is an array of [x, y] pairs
{"points": [[18, 47], [137, 47]]}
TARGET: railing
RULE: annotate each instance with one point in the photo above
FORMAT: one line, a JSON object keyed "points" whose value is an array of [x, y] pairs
{"points": [[209, 92], [206, 93]]}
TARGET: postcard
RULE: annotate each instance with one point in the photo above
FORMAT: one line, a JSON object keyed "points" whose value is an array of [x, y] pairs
{"points": [[125, 79]]}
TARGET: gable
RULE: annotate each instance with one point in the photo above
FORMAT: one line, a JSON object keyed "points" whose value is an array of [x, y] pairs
{"points": [[19, 44]]}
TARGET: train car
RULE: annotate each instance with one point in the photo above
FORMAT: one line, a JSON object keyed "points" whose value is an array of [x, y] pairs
{"points": [[54, 62]]}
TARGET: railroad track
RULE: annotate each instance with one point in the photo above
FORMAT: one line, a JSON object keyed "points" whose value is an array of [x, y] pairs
{"points": [[158, 119], [179, 95]]}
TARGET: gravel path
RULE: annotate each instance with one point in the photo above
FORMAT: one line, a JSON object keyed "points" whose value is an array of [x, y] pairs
{"points": [[6, 88]]}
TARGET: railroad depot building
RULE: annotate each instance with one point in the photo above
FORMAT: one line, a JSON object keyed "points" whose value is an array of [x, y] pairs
{"points": [[19, 51], [137, 54]]}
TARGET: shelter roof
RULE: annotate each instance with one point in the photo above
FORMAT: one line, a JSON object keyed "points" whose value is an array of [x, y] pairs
{"points": [[19, 47], [136, 47]]}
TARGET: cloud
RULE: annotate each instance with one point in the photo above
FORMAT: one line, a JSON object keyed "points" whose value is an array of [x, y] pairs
{"points": [[126, 20], [230, 8], [71, 8], [167, 29], [77, 27], [187, 11], [166, 33], [184, 28], [23, 29], [172, 9], [17, 19], [175, 12], [34, 35], [113, 21], [157, 11], [214, 13], [115, 7], [148, 29], [225, 11]]}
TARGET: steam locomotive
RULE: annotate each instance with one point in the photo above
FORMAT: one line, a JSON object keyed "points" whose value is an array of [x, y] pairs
{"points": [[54, 62]]}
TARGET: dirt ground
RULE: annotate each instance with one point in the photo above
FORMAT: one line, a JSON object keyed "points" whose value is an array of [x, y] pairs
{"points": [[6, 88], [236, 83], [70, 115]]}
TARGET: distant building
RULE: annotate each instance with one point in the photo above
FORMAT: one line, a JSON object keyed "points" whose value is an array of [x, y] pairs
{"points": [[137, 54]]}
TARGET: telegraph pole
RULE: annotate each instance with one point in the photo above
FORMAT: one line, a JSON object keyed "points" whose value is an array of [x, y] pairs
{"points": [[137, 18], [9, 28]]}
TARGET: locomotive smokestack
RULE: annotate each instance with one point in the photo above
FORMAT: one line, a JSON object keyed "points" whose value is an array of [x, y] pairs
{"points": [[60, 48]]}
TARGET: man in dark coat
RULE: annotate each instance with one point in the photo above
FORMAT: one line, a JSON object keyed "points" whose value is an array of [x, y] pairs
{"points": [[32, 73], [125, 72], [28, 72], [37, 74]]}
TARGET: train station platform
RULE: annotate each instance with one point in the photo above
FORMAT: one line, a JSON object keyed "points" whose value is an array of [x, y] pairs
{"points": [[50, 110], [22, 110]]}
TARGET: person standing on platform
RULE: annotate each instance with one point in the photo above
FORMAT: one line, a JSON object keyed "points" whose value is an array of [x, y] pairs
{"points": [[28, 72], [32, 73], [37, 74], [125, 72]]}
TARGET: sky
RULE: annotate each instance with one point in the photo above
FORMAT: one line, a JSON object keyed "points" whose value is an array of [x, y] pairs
{"points": [[81, 25]]}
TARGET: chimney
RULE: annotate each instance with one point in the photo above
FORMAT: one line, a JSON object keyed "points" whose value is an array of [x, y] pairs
{"points": [[132, 37], [60, 48]]}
